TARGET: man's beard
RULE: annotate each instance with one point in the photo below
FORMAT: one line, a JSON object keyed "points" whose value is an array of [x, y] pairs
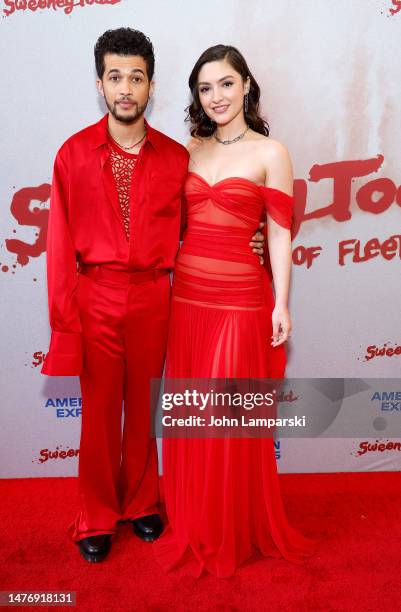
{"points": [[137, 111]]}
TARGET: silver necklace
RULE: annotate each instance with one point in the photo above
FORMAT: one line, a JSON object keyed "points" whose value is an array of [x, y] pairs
{"points": [[131, 146], [236, 139]]}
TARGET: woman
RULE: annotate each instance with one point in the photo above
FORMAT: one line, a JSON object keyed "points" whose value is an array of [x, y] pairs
{"points": [[222, 494]]}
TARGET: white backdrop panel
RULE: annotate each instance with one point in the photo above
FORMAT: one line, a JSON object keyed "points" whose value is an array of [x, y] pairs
{"points": [[329, 73]]}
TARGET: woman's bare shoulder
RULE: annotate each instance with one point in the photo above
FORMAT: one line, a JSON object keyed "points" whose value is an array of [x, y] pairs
{"points": [[277, 164], [194, 143], [273, 149]]}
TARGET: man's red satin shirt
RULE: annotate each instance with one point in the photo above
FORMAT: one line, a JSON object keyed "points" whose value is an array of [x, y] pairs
{"points": [[86, 225]]}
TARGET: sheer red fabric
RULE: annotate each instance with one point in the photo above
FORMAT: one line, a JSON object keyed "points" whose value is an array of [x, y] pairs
{"points": [[222, 495], [279, 205], [122, 166]]}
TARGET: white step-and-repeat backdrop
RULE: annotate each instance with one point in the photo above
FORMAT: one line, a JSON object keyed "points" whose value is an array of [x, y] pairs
{"points": [[330, 77]]}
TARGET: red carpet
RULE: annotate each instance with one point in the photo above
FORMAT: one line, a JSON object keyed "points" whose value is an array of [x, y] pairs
{"points": [[356, 517]]}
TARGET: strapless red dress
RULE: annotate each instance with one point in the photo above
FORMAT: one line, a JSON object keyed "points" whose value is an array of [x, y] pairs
{"points": [[222, 494]]}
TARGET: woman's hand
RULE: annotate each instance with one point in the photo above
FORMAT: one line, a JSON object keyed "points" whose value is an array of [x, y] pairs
{"points": [[282, 326]]}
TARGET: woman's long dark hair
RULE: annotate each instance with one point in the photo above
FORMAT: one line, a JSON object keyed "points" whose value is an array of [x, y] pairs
{"points": [[201, 124]]}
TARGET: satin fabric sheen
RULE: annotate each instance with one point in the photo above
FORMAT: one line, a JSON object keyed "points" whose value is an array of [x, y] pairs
{"points": [[124, 339], [222, 495], [86, 225], [110, 325]]}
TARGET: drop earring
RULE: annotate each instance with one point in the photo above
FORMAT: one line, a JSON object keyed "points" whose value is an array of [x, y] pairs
{"points": [[246, 102]]}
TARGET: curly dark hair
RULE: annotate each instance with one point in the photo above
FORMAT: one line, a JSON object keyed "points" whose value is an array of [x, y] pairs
{"points": [[124, 41], [201, 124]]}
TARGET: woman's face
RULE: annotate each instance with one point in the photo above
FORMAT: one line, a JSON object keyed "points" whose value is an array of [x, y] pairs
{"points": [[221, 91]]}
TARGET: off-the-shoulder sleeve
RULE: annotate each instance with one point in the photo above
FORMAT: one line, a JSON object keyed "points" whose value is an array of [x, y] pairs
{"points": [[279, 206]]}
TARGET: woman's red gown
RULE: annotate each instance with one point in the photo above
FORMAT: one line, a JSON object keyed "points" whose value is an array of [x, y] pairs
{"points": [[222, 494]]}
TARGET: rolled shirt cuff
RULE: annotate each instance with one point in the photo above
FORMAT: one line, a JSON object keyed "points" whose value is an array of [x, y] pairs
{"points": [[65, 356]]}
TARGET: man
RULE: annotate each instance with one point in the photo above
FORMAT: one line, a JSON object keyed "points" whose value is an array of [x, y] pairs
{"points": [[114, 231]]}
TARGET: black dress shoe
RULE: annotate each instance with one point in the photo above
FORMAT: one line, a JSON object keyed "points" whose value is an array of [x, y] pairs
{"points": [[95, 548], [148, 528]]}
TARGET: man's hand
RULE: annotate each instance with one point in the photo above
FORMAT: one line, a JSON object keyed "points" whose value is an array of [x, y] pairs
{"points": [[258, 243]]}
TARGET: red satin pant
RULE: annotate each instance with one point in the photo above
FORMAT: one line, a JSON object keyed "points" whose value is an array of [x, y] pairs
{"points": [[125, 322]]}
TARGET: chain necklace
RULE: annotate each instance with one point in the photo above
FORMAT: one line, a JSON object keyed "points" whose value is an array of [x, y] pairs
{"points": [[236, 139], [131, 146]]}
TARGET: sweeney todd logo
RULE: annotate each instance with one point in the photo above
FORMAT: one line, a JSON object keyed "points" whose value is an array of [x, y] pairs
{"points": [[396, 8], [46, 454], [374, 197], [386, 350], [33, 5], [29, 214]]}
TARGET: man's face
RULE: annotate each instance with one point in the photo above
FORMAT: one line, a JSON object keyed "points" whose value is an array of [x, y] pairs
{"points": [[125, 86]]}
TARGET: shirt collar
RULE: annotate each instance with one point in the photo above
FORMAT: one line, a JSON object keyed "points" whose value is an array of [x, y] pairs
{"points": [[101, 134]]}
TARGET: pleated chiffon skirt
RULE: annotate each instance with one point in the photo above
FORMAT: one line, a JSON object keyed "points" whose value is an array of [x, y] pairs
{"points": [[222, 495]]}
